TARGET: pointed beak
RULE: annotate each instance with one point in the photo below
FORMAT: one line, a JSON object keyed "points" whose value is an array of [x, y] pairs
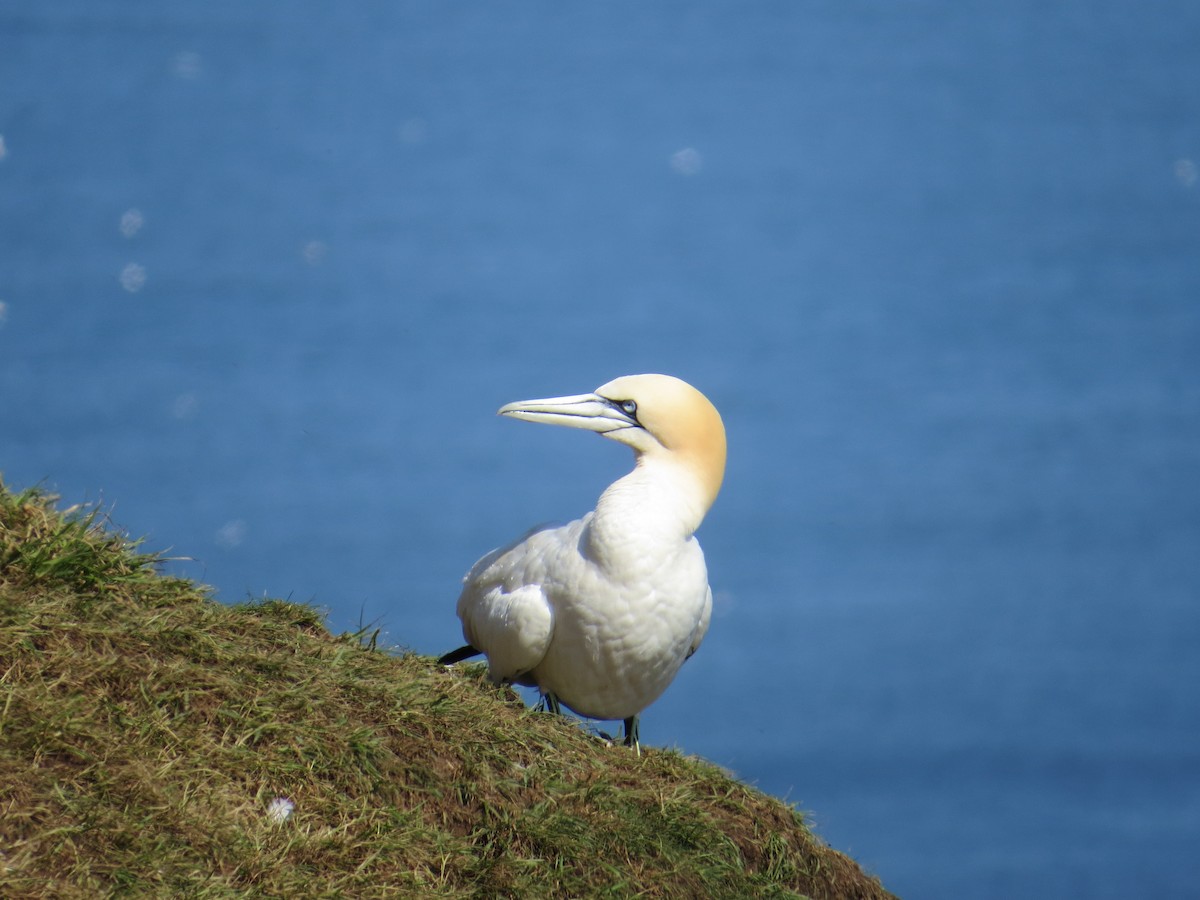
{"points": [[590, 412]]}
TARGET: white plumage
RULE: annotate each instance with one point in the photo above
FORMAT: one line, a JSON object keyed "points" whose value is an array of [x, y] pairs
{"points": [[600, 613]]}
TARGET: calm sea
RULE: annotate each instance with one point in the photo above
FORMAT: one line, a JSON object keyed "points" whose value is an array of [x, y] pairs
{"points": [[267, 271]]}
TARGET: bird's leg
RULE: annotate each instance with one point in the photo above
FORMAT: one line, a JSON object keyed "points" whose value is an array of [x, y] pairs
{"points": [[551, 703], [631, 734]]}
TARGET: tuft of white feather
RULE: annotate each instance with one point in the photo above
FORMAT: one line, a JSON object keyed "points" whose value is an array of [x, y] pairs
{"points": [[280, 810]]}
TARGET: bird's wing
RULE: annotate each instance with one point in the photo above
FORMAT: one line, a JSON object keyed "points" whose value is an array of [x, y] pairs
{"points": [[512, 627], [505, 606], [702, 625]]}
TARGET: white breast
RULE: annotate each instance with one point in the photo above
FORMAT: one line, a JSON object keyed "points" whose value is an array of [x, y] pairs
{"points": [[622, 618]]}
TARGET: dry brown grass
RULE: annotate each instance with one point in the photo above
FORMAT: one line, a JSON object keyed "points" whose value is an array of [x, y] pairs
{"points": [[145, 729]]}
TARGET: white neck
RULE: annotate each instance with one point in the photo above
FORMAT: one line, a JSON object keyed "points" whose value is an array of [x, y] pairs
{"points": [[658, 503]]}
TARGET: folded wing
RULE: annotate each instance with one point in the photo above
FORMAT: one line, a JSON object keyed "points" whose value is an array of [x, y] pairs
{"points": [[512, 627]]}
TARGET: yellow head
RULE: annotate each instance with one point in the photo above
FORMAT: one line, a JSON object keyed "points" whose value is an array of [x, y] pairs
{"points": [[659, 416]]}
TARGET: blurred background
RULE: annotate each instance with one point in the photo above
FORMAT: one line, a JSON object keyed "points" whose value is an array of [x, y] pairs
{"points": [[267, 271]]}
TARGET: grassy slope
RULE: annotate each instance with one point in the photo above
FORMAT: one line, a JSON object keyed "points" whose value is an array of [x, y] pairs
{"points": [[145, 729]]}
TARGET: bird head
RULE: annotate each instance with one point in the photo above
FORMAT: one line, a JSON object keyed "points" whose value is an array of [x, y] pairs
{"points": [[661, 417]]}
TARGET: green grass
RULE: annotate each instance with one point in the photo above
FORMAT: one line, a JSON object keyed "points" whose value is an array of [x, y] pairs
{"points": [[146, 728]]}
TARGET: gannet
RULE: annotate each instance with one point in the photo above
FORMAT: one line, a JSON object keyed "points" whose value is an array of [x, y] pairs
{"points": [[599, 614]]}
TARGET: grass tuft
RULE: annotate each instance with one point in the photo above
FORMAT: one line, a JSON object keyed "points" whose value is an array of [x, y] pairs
{"points": [[154, 742]]}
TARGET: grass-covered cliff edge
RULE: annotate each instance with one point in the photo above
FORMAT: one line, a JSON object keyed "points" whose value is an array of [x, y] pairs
{"points": [[146, 729]]}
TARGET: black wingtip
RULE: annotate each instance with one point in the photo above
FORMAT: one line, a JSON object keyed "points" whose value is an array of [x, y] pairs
{"points": [[455, 656]]}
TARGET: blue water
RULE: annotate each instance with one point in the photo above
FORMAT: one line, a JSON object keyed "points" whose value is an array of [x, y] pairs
{"points": [[267, 270]]}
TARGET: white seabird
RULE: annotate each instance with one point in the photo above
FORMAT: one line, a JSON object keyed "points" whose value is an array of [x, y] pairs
{"points": [[599, 614]]}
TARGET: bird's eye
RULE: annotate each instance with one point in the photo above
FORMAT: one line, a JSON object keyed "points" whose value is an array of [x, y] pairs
{"points": [[629, 407]]}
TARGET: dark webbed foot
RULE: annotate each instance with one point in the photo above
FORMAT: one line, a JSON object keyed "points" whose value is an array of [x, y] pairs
{"points": [[631, 734]]}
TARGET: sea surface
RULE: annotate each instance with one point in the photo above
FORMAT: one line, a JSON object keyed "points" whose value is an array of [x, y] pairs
{"points": [[268, 269]]}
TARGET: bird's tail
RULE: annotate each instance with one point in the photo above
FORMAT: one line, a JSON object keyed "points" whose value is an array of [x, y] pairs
{"points": [[455, 656]]}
